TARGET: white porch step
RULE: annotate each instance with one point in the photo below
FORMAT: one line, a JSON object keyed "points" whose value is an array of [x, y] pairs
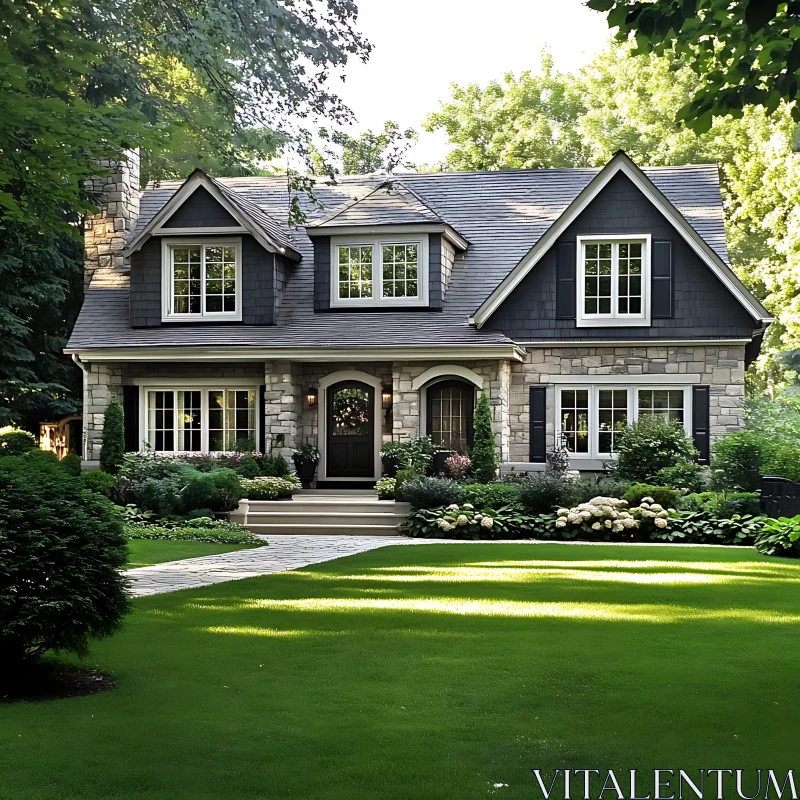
{"points": [[323, 513], [323, 529]]}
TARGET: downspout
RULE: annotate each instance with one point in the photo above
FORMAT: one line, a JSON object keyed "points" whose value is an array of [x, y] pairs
{"points": [[85, 370]]}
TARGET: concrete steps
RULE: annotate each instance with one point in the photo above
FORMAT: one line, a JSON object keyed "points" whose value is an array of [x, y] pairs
{"points": [[356, 513]]}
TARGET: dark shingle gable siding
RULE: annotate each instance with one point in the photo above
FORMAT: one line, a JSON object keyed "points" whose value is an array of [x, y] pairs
{"points": [[435, 289], [258, 284], [145, 304], [703, 306], [201, 210], [322, 273]]}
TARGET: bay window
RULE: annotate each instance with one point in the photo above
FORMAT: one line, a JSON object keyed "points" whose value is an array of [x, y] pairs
{"points": [[589, 418], [200, 420], [391, 271], [202, 279], [613, 280]]}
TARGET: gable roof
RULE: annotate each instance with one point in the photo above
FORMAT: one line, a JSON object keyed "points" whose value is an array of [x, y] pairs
{"points": [[502, 214], [266, 230], [390, 203], [621, 162]]}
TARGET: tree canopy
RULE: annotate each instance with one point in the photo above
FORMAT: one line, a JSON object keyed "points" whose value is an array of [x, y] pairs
{"points": [[744, 52]]}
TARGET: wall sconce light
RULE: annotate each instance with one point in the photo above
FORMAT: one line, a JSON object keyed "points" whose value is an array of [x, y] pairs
{"points": [[311, 398], [386, 397]]}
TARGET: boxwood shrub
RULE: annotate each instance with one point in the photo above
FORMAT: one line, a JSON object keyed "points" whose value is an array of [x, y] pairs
{"points": [[61, 547], [492, 495], [424, 492]]}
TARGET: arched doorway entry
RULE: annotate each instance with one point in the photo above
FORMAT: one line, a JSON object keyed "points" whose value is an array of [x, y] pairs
{"points": [[450, 406], [350, 430]]}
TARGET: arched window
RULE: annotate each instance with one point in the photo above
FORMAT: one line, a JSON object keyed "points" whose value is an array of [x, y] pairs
{"points": [[450, 406]]}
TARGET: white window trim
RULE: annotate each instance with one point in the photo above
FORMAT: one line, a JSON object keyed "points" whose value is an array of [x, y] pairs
{"points": [[167, 278], [376, 243], [633, 410], [614, 319], [191, 386]]}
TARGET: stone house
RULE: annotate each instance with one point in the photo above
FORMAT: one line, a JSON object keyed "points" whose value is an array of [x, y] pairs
{"points": [[577, 299]]}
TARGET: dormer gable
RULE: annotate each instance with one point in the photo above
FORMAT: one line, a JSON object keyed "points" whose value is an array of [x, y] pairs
{"points": [[386, 250]]}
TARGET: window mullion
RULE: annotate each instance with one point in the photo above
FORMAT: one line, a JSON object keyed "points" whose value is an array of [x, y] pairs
{"points": [[615, 279], [202, 280], [377, 272]]}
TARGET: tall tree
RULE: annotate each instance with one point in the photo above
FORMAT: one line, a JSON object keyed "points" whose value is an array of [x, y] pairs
{"points": [[745, 52], [209, 83]]}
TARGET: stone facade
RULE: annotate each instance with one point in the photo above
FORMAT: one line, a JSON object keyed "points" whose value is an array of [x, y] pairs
{"points": [[721, 367], [101, 382], [118, 197]]}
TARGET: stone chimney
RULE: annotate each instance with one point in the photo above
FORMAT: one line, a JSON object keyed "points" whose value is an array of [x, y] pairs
{"points": [[105, 233]]}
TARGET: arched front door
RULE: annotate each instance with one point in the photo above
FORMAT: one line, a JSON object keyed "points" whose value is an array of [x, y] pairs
{"points": [[450, 407], [351, 430]]}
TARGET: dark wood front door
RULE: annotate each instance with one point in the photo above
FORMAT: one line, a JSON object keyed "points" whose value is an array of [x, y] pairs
{"points": [[351, 430]]}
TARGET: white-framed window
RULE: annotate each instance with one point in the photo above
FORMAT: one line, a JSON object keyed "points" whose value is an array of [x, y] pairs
{"points": [[589, 417], [202, 278], [200, 420], [390, 270], [613, 276]]}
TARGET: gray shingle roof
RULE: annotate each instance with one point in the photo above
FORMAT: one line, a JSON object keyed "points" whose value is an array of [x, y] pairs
{"points": [[501, 214]]}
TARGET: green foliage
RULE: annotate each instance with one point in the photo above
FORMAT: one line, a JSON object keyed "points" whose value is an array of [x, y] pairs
{"points": [[16, 443], [649, 445], [386, 488], [663, 495], [780, 537], [200, 529], [248, 468], [98, 481], [413, 455], [60, 550], [722, 504], [466, 522], [424, 492], [484, 456], [72, 463], [219, 490], [270, 488], [304, 454], [737, 460], [541, 492], [403, 476], [491, 495], [742, 51], [686, 475], [112, 451]]}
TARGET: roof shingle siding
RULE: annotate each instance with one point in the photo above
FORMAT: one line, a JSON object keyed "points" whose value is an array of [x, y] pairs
{"points": [[201, 210], [501, 214], [703, 307]]}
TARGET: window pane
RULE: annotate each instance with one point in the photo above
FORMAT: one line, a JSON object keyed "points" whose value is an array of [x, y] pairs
{"points": [[399, 269], [220, 279], [189, 421], [161, 420], [351, 412], [597, 279], [574, 418], [664, 403], [630, 281], [612, 415], [355, 272], [451, 407], [185, 280]]}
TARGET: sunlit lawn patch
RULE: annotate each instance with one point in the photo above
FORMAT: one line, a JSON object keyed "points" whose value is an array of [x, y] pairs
{"points": [[431, 672]]}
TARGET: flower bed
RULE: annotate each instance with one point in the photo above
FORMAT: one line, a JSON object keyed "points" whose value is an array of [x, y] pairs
{"points": [[202, 529], [466, 522], [266, 488]]}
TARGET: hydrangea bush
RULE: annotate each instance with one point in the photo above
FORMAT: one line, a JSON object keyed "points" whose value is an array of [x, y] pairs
{"points": [[467, 522], [266, 488], [386, 487], [610, 518]]}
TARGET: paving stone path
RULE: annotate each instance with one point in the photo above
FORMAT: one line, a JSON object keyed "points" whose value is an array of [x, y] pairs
{"points": [[284, 553]]}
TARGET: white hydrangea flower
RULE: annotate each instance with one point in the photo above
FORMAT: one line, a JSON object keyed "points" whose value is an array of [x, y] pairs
{"points": [[585, 514], [561, 523], [608, 523], [478, 517], [563, 512], [462, 520], [447, 526], [596, 526], [453, 507], [648, 500], [442, 522], [617, 527], [656, 507], [468, 505], [663, 514], [487, 522], [629, 523], [660, 522]]}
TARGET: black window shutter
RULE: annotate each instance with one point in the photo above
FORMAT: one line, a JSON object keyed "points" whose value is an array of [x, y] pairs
{"points": [[701, 423], [130, 408], [538, 413], [565, 280], [662, 281], [262, 433]]}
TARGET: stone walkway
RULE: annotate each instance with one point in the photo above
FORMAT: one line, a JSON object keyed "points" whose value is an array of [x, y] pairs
{"points": [[284, 553]]}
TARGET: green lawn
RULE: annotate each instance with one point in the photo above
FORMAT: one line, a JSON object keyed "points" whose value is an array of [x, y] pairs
{"points": [[431, 671], [144, 552]]}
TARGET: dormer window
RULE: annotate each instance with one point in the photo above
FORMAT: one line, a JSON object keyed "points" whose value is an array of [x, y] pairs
{"points": [[613, 281], [370, 272], [202, 278]]}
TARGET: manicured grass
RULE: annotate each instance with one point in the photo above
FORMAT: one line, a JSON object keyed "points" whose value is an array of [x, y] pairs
{"points": [[431, 671], [145, 552]]}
